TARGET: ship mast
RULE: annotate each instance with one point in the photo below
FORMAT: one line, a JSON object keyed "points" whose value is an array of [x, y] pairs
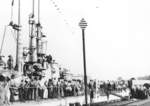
{"points": [[38, 38], [18, 48], [31, 35]]}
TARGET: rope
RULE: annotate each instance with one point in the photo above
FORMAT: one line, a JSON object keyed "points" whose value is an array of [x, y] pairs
{"points": [[4, 34]]}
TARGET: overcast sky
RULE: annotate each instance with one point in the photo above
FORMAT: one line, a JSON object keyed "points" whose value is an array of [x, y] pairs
{"points": [[117, 36]]}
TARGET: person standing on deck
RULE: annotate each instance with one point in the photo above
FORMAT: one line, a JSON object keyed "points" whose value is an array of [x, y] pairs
{"points": [[107, 89], [91, 88], [10, 62]]}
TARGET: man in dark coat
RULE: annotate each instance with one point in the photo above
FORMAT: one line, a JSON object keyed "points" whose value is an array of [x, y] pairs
{"points": [[10, 62]]}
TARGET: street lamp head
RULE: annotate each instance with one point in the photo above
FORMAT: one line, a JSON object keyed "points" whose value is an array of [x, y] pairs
{"points": [[83, 23]]}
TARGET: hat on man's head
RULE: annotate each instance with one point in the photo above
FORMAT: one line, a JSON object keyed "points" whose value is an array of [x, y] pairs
{"points": [[9, 56]]}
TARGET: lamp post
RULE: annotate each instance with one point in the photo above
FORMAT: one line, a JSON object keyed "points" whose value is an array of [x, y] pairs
{"points": [[83, 25]]}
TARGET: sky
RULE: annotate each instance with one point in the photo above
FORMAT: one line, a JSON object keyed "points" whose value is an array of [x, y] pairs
{"points": [[117, 36]]}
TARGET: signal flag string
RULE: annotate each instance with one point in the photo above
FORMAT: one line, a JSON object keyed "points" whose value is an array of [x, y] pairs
{"points": [[60, 12]]}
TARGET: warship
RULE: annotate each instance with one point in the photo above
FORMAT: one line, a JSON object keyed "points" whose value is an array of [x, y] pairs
{"points": [[34, 56]]}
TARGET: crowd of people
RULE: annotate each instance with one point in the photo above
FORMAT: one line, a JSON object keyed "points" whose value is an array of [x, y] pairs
{"points": [[139, 91], [35, 89]]}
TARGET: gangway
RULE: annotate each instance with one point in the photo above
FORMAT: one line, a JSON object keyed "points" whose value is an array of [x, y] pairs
{"points": [[119, 95]]}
